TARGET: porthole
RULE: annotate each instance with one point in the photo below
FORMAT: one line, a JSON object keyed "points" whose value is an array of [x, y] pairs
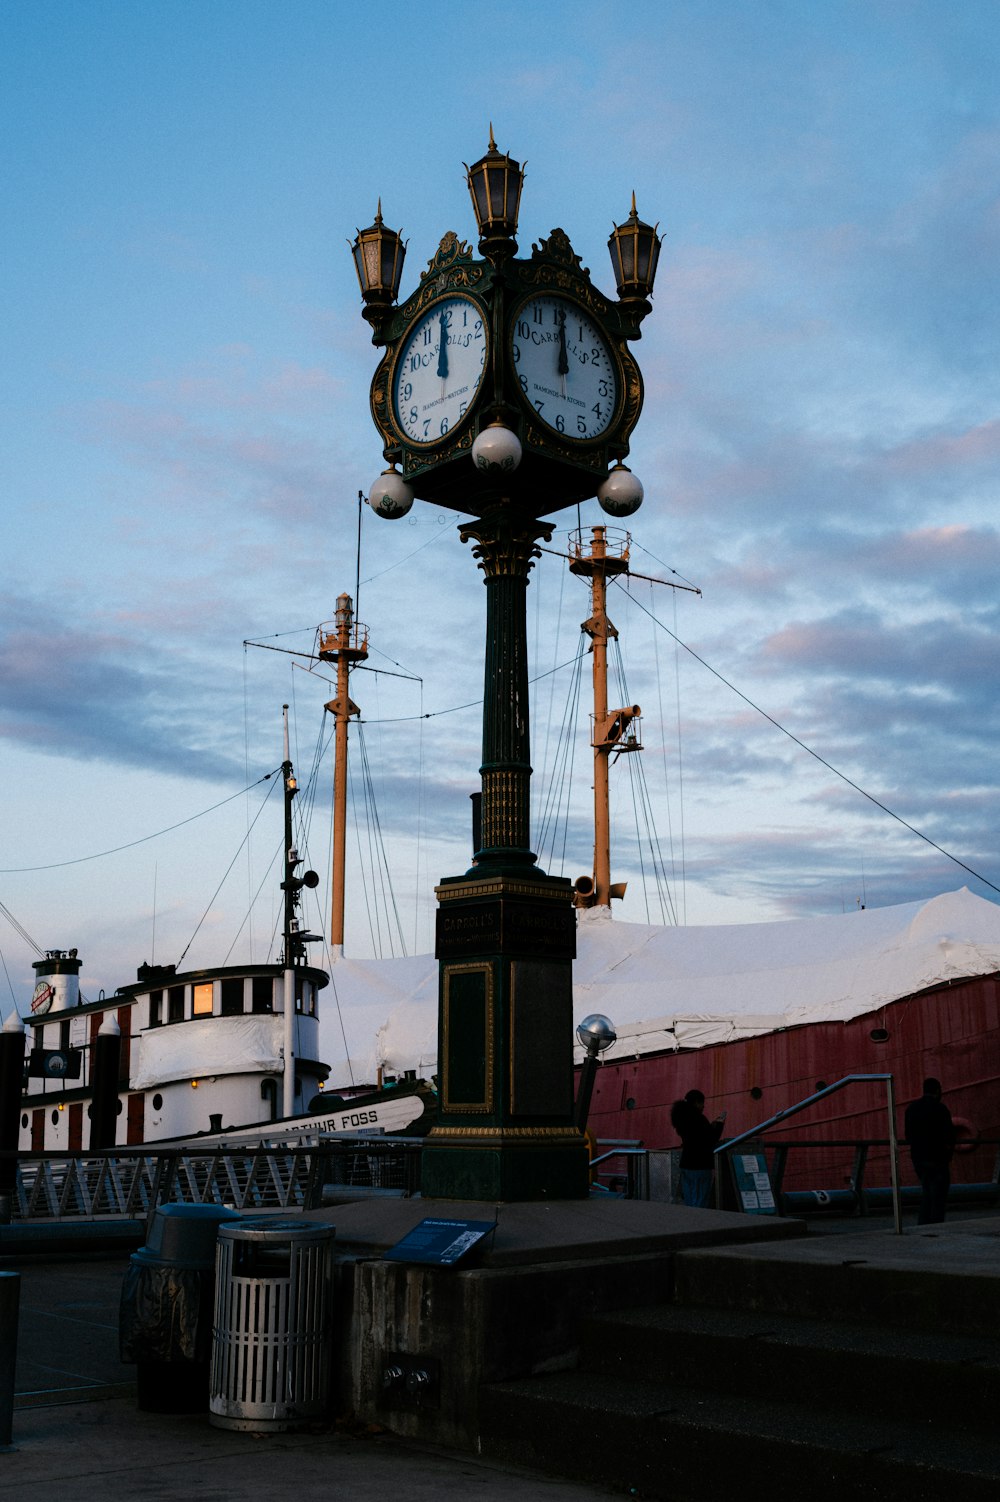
{"points": [[756, 1093], [118, 1109], [55, 1118], [630, 1104], [879, 1035], [157, 1102], [820, 1085], [24, 1121]]}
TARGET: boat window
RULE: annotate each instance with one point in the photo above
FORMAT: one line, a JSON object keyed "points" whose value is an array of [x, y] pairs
{"points": [[263, 994], [201, 1000], [175, 1004], [155, 1008], [232, 998]]}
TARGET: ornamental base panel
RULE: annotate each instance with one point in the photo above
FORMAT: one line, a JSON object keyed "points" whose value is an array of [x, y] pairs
{"points": [[527, 1170]]}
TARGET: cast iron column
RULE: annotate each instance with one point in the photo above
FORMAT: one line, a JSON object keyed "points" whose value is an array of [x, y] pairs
{"points": [[506, 550], [506, 939]]}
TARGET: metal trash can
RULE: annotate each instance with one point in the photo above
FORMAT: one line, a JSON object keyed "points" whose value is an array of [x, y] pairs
{"points": [[271, 1348], [165, 1313]]}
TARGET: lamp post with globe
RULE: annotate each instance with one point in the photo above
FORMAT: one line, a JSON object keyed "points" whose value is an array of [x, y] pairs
{"points": [[506, 391]]}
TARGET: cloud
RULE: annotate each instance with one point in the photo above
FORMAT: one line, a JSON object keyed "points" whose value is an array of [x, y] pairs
{"points": [[103, 695]]}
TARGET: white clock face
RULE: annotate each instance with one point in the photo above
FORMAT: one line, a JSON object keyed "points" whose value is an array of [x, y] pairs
{"points": [[439, 369], [564, 367]]}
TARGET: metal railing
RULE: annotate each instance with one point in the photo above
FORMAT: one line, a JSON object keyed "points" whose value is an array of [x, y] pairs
{"points": [[810, 1100], [131, 1182], [625, 1165]]}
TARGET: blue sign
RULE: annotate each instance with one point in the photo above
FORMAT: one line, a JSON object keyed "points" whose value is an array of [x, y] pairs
{"points": [[441, 1243]]}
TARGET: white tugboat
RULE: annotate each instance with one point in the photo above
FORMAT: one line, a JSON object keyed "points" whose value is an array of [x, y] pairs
{"points": [[201, 1051]]}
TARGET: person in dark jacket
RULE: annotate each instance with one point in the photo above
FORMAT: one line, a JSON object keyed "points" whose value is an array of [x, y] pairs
{"points": [[698, 1140], [930, 1133]]}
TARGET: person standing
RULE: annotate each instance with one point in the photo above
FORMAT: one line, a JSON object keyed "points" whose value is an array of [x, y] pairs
{"points": [[698, 1139], [930, 1133]]}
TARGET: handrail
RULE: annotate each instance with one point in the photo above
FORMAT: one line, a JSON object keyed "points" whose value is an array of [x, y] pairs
{"points": [[810, 1100]]}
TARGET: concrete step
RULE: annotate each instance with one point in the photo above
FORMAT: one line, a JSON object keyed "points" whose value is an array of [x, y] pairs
{"points": [[681, 1444], [864, 1369], [941, 1284]]}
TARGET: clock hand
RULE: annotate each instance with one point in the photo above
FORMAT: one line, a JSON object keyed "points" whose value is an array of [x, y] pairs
{"points": [[563, 366], [443, 351]]}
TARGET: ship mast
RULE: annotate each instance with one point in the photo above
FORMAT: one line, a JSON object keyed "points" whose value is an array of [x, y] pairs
{"points": [[346, 644], [613, 730], [295, 936]]}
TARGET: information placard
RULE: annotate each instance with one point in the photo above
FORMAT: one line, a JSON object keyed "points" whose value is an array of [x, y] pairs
{"points": [[441, 1243], [752, 1183]]}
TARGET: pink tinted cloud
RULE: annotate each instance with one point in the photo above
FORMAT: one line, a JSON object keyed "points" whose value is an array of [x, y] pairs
{"points": [[942, 451]]}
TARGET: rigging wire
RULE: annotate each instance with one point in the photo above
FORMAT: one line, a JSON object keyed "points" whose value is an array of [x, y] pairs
{"points": [[364, 880], [21, 932], [434, 714], [642, 803], [814, 754], [435, 537], [253, 901], [555, 807], [663, 748], [382, 865], [680, 759], [9, 982], [117, 849], [228, 869], [246, 774]]}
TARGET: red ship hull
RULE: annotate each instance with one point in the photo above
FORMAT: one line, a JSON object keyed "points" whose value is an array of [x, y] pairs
{"points": [[951, 1031]]}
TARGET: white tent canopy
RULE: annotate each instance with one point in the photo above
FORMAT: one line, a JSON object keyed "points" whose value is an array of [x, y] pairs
{"points": [[667, 988]]}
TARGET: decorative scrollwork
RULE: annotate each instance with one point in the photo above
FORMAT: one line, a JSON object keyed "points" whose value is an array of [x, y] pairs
{"points": [[450, 250], [506, 548], [415, 463], [558, 248], [537, 437]]}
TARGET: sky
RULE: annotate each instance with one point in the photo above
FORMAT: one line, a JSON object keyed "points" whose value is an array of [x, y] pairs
{"points": [[186, 429]]}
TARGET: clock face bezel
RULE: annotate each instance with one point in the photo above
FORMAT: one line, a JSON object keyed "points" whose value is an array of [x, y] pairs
{"points": [[404, 351], [573, 306]]}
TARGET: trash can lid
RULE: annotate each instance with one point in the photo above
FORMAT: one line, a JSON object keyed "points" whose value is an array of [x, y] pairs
{"points": [[185, 1234], [273, 1227]]}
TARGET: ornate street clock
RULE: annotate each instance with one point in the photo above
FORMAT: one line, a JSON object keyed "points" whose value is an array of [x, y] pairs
{"points": [[529, 345], [506, 391]]}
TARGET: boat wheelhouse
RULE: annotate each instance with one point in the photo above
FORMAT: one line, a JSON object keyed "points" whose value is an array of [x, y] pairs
{"points": [[201, 1051]]}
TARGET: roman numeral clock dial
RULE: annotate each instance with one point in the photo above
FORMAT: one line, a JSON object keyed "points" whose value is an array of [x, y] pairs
{"points": [[564, 368], [438, 370]]}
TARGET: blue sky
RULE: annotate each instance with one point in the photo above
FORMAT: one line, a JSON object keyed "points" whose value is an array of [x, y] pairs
{"points": [[186, 428]]}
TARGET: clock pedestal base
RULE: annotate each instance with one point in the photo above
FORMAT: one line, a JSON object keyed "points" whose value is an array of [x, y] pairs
{"points": [[505, 943]]}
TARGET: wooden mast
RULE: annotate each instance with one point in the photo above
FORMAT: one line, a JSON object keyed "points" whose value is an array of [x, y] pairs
{"points": [[345, 645], [611, 730]]}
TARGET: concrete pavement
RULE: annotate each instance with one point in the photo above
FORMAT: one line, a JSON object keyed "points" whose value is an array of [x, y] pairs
{"points": [[76, 1420]]}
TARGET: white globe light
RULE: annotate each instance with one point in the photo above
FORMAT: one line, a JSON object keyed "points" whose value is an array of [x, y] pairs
{"points": [[621, 493], [597, 1032], [390, 496], [496, 451]]}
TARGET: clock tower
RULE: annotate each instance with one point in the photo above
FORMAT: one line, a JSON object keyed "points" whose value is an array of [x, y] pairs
{"points": [[506, 391]]}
